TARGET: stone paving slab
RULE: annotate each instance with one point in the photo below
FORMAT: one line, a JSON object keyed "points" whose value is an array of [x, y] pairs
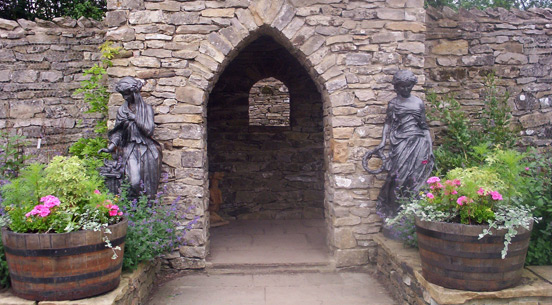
{"points": [[306, 288], [269, 242]]}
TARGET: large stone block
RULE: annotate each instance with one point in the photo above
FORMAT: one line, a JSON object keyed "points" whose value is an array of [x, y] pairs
{"points": [[25, 109], [190, 95], [351, 257], [183, 263], [121, 34], [8, 24], [454, 47], [343, 238]]}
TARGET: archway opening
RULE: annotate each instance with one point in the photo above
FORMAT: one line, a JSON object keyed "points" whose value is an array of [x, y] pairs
{"points": [[266, 173]]}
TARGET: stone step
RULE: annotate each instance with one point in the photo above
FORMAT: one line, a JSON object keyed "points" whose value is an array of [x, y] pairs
{"points": [[225, 268]]}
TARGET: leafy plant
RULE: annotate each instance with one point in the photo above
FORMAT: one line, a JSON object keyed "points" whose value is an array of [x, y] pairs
{"points": [[97, 96], [465, 140], [539, 195], [94, 88], [60, 197], [12, 157], [489, 194], [151, 229]]}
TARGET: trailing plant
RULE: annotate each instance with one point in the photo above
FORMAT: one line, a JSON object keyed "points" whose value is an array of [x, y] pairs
{"points": [[465, 140], [12, 157], [152, 228], [97, 96], [94, 87]]}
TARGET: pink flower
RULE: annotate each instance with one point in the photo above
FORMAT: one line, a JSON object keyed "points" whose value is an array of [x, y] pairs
{"points": [[481, 191], [50, 201], [496, 195], [112, 212], [424, 162], [456, 182], [527, 168], [439, 185], [40, 210], [433, 180], [97, 192], [430, 195], [454, 192], [461, 200]]}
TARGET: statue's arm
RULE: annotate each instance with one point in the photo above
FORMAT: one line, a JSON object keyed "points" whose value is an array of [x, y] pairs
{"points": [[385, 132], [146, 124]]}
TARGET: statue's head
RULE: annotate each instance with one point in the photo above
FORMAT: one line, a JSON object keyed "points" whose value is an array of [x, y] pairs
{"points": [[404, 81], [128, 84]]}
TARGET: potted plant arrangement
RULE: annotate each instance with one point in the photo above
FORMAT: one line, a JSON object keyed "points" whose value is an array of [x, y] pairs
{"points": [[472, 228], [63, 234]]}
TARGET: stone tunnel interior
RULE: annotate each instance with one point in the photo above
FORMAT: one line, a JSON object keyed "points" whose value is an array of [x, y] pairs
{"points": [[266, 171]]}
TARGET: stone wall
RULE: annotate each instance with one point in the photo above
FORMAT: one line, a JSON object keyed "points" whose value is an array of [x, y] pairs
{"points": [[349, 50], [269, 103], [461, 48], [41, 65]]}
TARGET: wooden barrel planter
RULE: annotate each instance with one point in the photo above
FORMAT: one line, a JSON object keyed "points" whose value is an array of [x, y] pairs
{"points": [[64, 266], [454, 257]]}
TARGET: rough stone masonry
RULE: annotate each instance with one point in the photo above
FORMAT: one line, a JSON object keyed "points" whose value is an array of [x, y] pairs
{"points": [[336, 57]]}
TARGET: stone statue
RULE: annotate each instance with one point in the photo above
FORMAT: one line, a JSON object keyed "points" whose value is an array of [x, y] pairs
{"points": [[410, 160], [138, 156]]}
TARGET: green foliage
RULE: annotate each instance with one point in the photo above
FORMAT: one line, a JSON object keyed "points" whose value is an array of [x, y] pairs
{"points": [[49, 9], [94, 87], [12, 157], [4, 272], [487, 194], [87, 150], [97, 96], [465, 140], [151, 229], [539, 196], [81, 204]]}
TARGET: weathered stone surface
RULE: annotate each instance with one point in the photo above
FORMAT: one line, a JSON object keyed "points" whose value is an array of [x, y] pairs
{"points": [[312, 44], [121, 34], [511, 59], [8, 24], [358, 59], [456, 47], [344, 239], [390, 14], [215, 12], [190, 95], [351, 257], [146, 17], [415, 27]]}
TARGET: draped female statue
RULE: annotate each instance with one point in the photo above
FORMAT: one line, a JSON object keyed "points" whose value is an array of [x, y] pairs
{"points": [[410, 160], [138, 155]]}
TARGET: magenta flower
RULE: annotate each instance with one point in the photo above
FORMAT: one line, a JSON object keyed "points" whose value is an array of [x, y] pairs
{"points": [[461, 200], [40, 210], [424, 162], [481, 191], [496, 195], [433, 180], [430, 195], [454, 192], [97, 192], [50, 201], [456, 182]]}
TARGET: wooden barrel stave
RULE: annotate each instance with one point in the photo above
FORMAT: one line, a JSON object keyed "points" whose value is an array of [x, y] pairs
{"points": [[454, 257], [42, 268]]}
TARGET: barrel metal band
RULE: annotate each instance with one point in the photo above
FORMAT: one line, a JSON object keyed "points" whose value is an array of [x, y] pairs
{"points": [[471, 239], [63, 251], [66, 279]]}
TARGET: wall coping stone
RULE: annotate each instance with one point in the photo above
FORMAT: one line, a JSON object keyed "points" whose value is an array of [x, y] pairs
{"points": [[534, 282]]}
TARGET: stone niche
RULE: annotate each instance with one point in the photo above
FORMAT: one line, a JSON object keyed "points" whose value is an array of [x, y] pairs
{"points": [[270, 171]]}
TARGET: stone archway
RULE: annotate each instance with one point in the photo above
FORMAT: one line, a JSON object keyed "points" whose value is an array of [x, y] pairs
{"points": [[270, 172]]}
